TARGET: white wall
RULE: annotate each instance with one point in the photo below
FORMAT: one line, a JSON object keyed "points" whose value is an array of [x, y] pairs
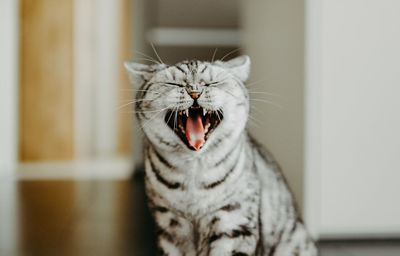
{"points": [[342, 57], [8, 85], [360, 117]]}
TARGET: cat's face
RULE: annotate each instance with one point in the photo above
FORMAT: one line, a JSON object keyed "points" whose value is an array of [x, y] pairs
{"points": [[192, 105]]}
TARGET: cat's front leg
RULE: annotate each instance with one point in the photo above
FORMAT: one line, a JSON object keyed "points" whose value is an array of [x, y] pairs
{"points": [[294, 240], [232, 230], [174, 235]]}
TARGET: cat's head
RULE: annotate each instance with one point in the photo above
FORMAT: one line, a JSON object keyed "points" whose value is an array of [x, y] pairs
{"points": [[192, 105]]}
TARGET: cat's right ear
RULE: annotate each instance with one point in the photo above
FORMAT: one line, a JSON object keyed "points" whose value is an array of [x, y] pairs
{"points": [[140, 72]]}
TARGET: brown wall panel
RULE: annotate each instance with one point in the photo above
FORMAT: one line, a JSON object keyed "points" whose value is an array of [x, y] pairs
{"points": [[46, 80], [125, 93]]}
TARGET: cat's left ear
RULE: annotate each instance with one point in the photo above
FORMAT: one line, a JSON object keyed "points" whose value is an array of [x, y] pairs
{"points": [[141, 72], [239, 67]]}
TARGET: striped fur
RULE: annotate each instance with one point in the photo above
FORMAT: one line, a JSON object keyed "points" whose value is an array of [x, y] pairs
{"points": [[227, 198]]}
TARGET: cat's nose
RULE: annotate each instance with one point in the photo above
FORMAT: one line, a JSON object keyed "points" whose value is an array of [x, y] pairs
{"points": [[195, 95]]}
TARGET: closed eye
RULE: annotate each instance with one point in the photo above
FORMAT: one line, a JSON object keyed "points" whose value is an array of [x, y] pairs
{"points": [[175, 84], [213, 83]]}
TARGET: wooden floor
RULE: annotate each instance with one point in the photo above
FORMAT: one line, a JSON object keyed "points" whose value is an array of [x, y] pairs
{"points": [[74, 218], [100, 217]]}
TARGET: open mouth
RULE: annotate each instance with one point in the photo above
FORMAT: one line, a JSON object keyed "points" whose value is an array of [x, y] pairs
{"points": [[193, 125]]}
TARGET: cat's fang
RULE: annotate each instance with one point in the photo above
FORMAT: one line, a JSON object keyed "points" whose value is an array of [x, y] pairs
{"points": [[187, 112], [204, 111]]}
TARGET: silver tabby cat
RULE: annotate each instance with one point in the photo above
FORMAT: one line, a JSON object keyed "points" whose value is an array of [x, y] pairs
{"points": [[212, 189]]}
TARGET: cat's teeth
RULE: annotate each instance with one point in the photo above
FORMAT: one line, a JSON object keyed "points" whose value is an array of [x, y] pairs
{"points": [[206, 128], [180, 126], [187, 112], [204, 111]]}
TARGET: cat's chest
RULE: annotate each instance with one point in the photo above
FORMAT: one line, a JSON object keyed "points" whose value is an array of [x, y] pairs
{"points": [[192, 198]]}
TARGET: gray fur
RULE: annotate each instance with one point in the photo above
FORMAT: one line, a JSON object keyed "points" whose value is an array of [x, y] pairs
{"points": [[227, 198]]}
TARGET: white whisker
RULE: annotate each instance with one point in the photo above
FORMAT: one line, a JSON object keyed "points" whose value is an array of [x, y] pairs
{"points": [[159, 111], [267, 101], [231, 52], [213, 56], [228, 92], [144, 125], [266, 93], [158, 56], [254, 121], [217, 112], [124, 105], [176, 119], [147, 56], [252, 84], [170, 115], [150, 60], [135, 90]]}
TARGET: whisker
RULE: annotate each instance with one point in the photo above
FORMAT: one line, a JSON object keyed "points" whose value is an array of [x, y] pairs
{"points": [[217, 83], [176, 119], [147, 56], [148, 121], [268, 102], [217, 112], [231, 52], [256, 109], [247, 85], [235, 78], [153, 111], [150, 60], [213, 56], [137, 100], [158, 56], [170, 115], [135, 90], [254, 121], [159, 111], [228, 92], [266, 93], [165, 83], [124, 105], [254, 83]]}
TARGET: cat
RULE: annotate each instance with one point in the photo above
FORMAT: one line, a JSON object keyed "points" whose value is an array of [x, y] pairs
{"points": [[212, 189]]}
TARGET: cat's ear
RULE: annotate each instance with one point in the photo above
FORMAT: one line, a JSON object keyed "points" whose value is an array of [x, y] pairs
{"points": [[239, 66], [141, 72]]}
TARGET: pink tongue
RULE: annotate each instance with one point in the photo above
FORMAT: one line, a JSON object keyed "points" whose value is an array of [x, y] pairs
{"points": [[195, 131]]}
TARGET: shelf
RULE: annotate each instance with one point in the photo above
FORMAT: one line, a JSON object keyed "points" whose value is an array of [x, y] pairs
{"points": [[163, 36]]}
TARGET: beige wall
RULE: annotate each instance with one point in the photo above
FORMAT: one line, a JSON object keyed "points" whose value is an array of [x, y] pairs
{"points": [[273, 37], [125, 53], [194, 13]]}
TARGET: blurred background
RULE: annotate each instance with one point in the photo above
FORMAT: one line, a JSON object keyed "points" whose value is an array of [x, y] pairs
{"points": [[324, 85]]}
